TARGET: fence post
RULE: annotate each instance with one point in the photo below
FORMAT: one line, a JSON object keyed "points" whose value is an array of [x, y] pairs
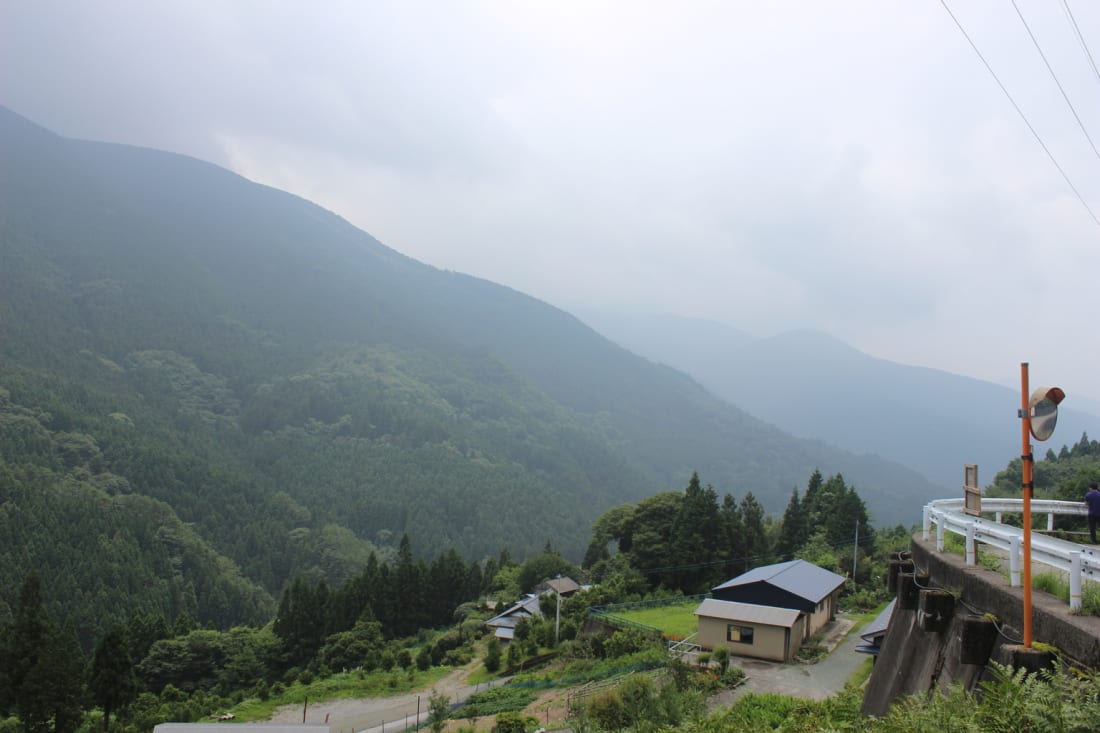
{"points": [[939, 533], [1050, 521], [997, 517], [1014, 562], [1075, 581], [971, 546], [926, 524]]}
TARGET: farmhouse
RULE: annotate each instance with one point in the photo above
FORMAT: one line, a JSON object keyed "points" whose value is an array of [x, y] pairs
{"points": [[504, 624], [769, 611]]}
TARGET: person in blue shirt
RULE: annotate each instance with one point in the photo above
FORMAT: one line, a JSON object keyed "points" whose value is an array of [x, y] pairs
{"points": [[1092, 499]]}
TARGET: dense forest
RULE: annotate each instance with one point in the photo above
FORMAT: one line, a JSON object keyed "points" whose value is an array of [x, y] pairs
{"points": [[400, 613], [402, 617], [209, 388]]}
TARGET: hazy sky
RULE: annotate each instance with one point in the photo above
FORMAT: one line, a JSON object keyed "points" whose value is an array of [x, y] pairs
{"points": [[850, 167]]}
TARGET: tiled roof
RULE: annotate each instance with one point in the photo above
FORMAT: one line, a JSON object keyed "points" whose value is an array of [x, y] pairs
{"points": [[803, 579], [747, 612]]}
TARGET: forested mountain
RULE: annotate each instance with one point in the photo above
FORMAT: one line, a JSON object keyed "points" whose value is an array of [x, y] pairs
{"points": [[197, 355], [818, 387]]}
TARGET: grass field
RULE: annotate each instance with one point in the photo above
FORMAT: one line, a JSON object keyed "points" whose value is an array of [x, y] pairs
{"points": [[677, 620]]}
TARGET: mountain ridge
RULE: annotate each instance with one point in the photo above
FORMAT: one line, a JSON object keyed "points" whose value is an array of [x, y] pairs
{"points": [[280, 378]]}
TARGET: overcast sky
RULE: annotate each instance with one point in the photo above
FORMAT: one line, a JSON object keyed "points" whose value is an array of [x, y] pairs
{"points": [[850, 167]]}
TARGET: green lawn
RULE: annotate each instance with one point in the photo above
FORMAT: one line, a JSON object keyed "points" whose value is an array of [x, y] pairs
{"points": [[677, 620]]}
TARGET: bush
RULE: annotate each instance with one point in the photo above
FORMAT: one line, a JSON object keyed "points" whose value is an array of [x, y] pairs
{"points": [[514, 723], [492, 654]]}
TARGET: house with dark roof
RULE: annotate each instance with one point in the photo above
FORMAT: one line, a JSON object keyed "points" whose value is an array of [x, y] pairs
{"points": [[769, 611], [795, 584], [563, 586], [504, 624]]}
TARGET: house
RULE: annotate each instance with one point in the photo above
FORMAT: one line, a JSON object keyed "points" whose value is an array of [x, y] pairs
{"points": [[747, 630], [504, 624], [563, 586], [769, 611], [796, 584]]}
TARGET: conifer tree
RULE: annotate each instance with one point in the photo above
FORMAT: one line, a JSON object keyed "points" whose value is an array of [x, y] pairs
{"points": [[794, 531], [112, 682]]}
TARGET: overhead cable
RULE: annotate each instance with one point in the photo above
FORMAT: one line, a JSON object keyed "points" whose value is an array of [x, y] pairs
{"points": [[1081, 38], [1054, 76], [1020, 112]]}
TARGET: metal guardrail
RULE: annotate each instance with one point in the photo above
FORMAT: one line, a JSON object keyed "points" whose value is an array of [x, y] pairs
{"points": [[1079, 562]]}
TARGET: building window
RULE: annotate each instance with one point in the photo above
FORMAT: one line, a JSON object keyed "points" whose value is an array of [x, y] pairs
{"points": [[739, 634]]}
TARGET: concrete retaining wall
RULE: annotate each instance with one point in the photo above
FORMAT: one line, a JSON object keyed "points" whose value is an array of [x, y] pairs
{"points": [[913, 660]]}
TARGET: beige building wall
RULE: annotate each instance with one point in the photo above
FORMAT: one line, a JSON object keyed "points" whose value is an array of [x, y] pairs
{"points": [[821, 615], [768, 642]]}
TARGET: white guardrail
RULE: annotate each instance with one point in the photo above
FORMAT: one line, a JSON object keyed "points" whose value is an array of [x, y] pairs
{"points": [[1079, 562]]}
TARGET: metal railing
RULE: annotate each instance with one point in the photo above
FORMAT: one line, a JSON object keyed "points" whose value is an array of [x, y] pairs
{"points": [[1079, 562]]}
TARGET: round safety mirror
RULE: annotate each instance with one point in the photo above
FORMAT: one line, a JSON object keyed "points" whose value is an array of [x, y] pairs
{"points": [[1044, 411]]}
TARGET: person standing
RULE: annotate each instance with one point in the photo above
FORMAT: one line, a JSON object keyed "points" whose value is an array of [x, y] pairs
{"points": [[1092, 499]]}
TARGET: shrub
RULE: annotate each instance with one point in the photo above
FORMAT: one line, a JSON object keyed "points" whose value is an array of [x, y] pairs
{"points": [[514, 723]]}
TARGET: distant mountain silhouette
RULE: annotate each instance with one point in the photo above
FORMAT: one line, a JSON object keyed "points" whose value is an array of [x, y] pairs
{"points": [[815, 386]]}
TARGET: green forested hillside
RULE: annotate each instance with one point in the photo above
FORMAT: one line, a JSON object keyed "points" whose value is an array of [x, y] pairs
{"points": [[296, 395]]}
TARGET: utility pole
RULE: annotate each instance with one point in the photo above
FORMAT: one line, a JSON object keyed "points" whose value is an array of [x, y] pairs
{"points": [[855, 554], [557, 611]]}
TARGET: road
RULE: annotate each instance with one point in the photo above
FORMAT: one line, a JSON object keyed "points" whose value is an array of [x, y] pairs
{"points": [[381, 714], [396, 714]]}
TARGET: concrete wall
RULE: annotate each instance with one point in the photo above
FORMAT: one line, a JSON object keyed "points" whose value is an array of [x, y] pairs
{"points": [[769, 642], [913, 660]]}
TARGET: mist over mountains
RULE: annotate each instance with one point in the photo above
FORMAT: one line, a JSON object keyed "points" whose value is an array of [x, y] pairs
{"points": [[243, 386], [815, 386]]}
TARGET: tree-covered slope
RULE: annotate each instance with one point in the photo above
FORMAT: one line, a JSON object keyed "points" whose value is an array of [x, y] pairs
{"points": [[301, 395]]}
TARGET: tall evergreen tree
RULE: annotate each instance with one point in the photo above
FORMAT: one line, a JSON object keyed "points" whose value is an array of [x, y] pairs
{"points": [[754, 538], [695, 534], [730, 520], [26, 642], [112, 682], [794, 531]]}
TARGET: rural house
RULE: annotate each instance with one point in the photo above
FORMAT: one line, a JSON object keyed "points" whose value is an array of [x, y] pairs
{"points": [[504, 624], [768, 612]]}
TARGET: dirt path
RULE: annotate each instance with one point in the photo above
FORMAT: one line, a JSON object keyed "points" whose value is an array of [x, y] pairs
{"points": [[394, 713]]}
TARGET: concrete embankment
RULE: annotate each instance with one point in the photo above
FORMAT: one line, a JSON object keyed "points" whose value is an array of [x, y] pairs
{"points": [[921, 653]]}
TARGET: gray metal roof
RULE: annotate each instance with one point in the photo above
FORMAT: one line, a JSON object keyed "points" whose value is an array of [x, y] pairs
{"points": [[878, 626], [529, 606], [803, 579], [747, 612]]}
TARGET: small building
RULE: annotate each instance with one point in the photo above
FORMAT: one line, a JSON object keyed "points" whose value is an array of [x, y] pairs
{"points": [[796, 584], [748, 630], [873, 634], [563, 586], [504, 624]]}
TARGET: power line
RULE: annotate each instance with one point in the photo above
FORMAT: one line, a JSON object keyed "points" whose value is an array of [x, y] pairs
{"points": [[1054, 76], [1081, 38], [1020, 112]]}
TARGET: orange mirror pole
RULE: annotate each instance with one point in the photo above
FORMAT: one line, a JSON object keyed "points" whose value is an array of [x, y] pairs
{"points": [[1028, 466]]}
